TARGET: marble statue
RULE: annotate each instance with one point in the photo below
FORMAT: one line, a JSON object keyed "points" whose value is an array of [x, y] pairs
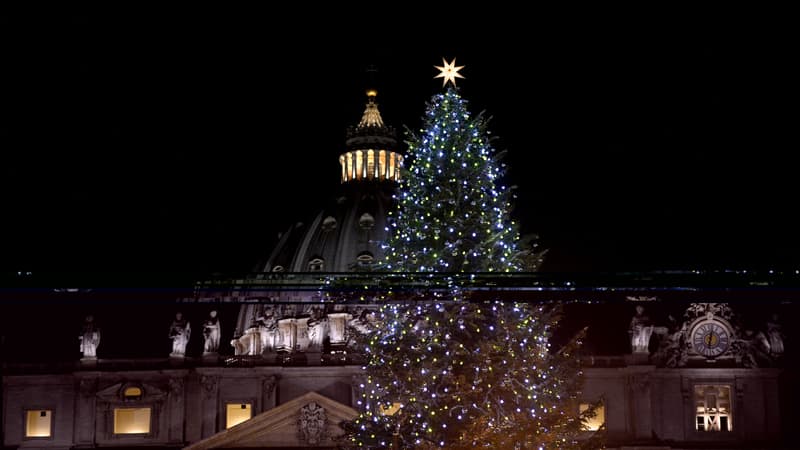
{"points": [[90, 338], [673, 347], [362, 320], [640, 330], [287, 335], [211, 332], [317, 329], [775, 336], [179, 332], [268, 325]]}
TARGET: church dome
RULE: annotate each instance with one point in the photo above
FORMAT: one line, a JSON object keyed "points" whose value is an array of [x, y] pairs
{"points": [[347, 234], [352, 224], [349, 226]]}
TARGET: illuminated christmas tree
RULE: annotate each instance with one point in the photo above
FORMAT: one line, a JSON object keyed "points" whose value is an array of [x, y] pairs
{"points": [[447, 372], [453, 213]]}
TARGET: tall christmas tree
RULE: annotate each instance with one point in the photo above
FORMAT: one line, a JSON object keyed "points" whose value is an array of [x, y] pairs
{"points": [[453, 373], [453, 215]]}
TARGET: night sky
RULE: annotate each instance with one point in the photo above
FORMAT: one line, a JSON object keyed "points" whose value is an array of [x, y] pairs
{"points": [[187, 140]]}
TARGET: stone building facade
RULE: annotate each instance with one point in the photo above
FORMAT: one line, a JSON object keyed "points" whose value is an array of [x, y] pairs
{"points": [[285, 376]]}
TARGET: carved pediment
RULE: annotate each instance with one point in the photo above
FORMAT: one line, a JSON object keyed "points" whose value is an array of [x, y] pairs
{"points": [[292, 424]]}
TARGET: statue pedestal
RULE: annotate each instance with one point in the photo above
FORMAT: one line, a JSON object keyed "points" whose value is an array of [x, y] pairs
{"points": [[89, 361], [637, 359], [299, 359], [211, 358], [283, 357], [313, 358], [270, 357]]}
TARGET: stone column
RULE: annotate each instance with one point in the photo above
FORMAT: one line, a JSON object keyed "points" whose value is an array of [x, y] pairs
{"points": [[85, 411], [209, 385], [175, 405], [642, 413]]}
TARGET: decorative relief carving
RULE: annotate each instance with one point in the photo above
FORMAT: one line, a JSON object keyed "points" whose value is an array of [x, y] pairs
{"points": [[640, 382], [312, 423], [209, 384], [176, 388], [268, 385]]}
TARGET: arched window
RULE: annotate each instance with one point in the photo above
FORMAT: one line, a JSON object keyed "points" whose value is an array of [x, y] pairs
{"points": [[365, 258], [366, 221], [316, 264], [132, 393], [329, 223]]}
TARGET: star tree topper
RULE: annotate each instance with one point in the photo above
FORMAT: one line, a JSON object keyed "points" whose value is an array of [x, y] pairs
{"points": [[449, 72]]}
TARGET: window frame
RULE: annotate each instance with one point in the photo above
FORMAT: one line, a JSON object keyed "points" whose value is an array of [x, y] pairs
{"points": [[227, 402], [130, 405], [316, 264], [731, 385], [131, 398], [222, 424], [26, 410], [603, 404]]}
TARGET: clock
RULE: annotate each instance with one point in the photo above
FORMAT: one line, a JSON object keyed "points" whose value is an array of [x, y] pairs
{"points": [[710, 338]]}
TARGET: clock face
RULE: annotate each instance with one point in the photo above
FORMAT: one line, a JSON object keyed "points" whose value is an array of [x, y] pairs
{"points": [[710, 339]]}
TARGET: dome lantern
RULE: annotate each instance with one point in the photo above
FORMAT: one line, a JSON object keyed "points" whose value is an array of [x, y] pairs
{"points": [[371, 148]]}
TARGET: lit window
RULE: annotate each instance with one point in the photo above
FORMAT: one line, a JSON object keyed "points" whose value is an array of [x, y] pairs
{"points": [[594, 423], [237, 413], [38, 423], [359, 165], [713, 408], [132, 393], [390, 172], [277, 269], [399, 164], [382, 164], [370, 163], [131, 420]]}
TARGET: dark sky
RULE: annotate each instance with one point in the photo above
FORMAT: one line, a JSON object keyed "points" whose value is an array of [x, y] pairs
{"points": [[186, 140]]}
